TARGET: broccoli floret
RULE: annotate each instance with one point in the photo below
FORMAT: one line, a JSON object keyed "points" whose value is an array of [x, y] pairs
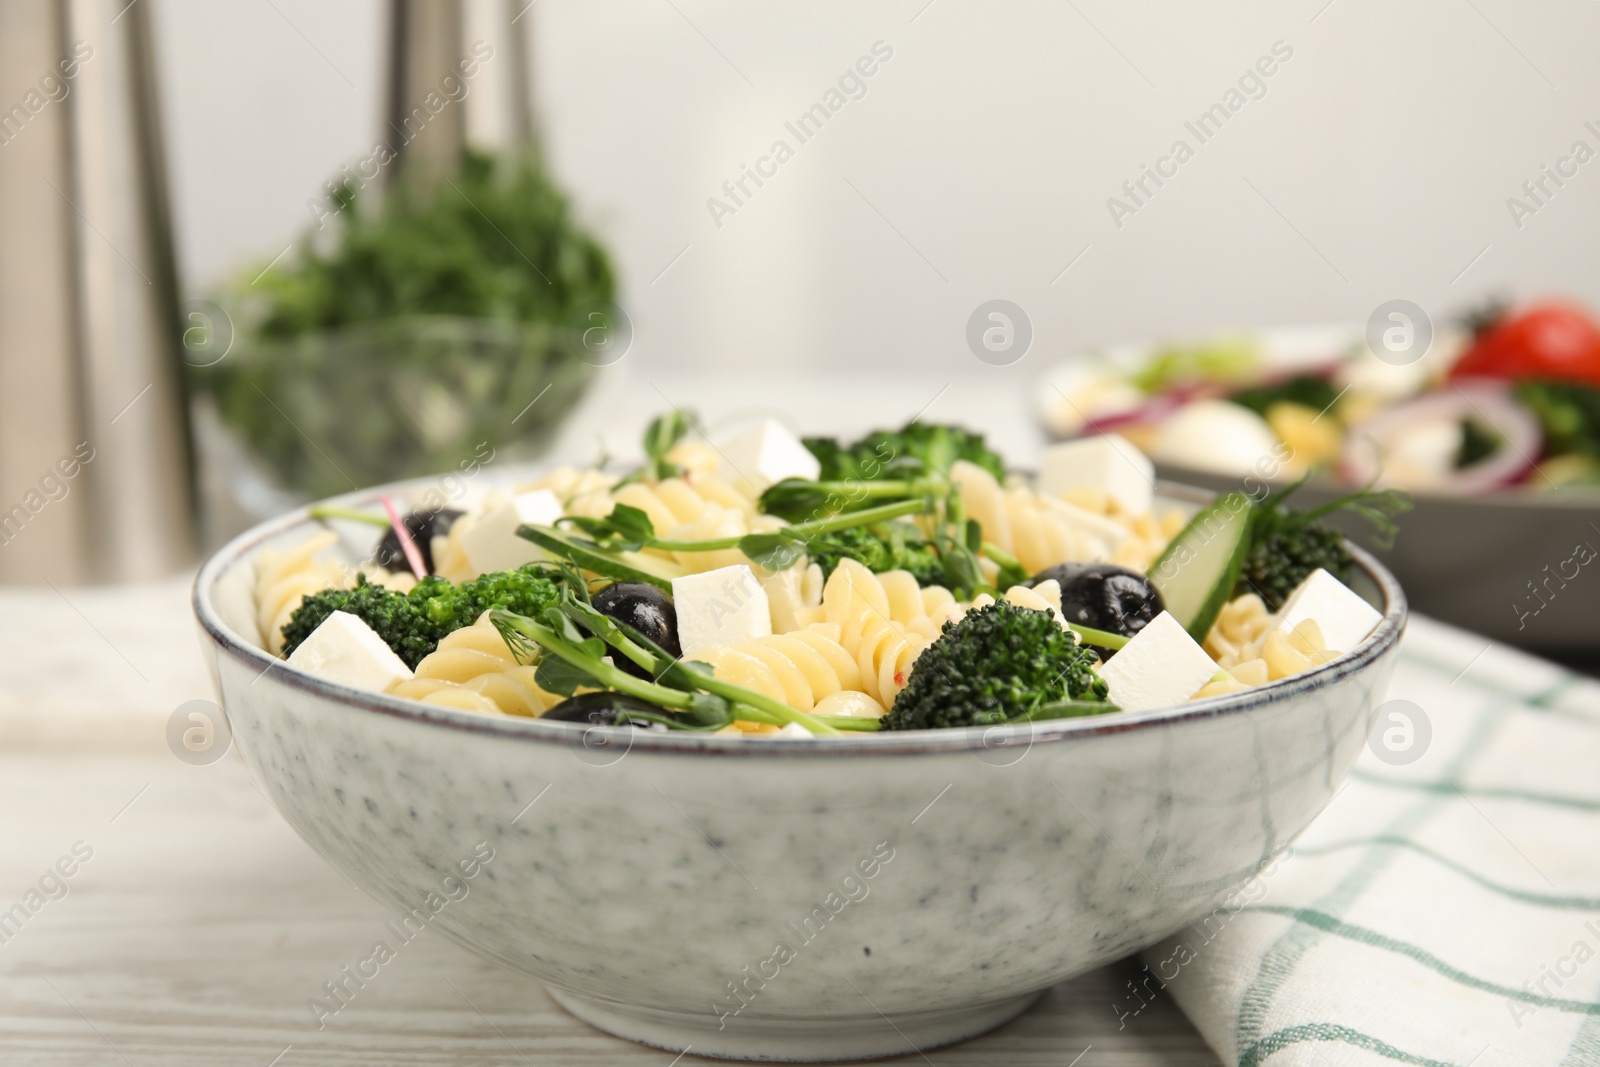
{"points": [[1286, 546], [994, 664], [524, 592], [887, 546], [1283, 553], [393, 616], [413, 623], [918, 449]]}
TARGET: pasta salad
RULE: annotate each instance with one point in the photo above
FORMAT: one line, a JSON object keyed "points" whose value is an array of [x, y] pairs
{"points": [[770, 585]]}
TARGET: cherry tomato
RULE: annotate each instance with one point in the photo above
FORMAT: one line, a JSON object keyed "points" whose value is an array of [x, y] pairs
{"points": [[1551, 340]]}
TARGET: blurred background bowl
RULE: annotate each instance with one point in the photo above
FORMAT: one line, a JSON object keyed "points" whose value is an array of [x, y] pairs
{"points": [[373, 402]]}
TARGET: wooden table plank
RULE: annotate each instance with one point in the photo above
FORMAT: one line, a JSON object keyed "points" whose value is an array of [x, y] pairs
{"points": [[201, 926]]}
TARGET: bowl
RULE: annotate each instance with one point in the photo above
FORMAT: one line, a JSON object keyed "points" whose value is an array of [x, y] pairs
{"points": [[397, 398], [782, 900], [1506, 565]]}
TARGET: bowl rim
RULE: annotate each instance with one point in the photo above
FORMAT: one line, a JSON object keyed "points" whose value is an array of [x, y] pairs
{"points": [[243, 547]]}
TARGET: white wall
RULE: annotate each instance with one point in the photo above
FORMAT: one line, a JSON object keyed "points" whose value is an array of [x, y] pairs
{"points": [[984, 152]]}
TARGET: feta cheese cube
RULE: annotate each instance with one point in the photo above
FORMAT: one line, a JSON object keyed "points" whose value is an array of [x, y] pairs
{"points": [[1161, 665], [765, 455], [346, 650], [1344, 618], [1109, 463], [720, 607], [491, 542], [793, 731]]}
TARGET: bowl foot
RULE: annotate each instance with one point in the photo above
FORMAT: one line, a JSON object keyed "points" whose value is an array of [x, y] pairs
{"points": [[792, 1040]]}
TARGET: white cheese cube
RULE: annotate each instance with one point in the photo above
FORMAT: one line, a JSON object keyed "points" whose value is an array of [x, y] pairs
{"points": [[767, 454], [1109, 463], [1344, 618], [720, 607], [346, 650], [793, 731], [1160, 666], [491, 542]]}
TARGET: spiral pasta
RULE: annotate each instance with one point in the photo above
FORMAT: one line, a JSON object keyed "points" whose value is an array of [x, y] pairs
{"points": [[808, 669], [449, 557], [474, 670], [284, 578], [1276, 656], [582, 491], [885, 621], [1040, 531], [700, 459], [1077, 527]]}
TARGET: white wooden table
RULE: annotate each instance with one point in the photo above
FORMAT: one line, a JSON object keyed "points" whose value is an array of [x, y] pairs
{"points": [[201, 926]]}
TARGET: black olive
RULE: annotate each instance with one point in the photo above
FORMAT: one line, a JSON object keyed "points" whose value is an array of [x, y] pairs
{"points": [[602, 709], [645, 608], [1103, 596], [422, 526]]}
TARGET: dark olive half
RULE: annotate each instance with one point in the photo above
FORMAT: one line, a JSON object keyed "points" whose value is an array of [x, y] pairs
{"points": [[645, 608], [422, 526], [1103, 596]]}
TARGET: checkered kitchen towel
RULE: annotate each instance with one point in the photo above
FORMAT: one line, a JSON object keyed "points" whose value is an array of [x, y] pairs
{"points": [[1443, 912]]}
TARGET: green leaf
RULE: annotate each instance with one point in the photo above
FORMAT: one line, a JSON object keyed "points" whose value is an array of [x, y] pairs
{"points": [[775, 551], [796, 499], [659, 437], [627, 527], [556, 675]]}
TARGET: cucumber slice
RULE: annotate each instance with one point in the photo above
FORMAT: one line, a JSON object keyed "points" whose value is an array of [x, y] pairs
{"points": [[1197, 572]]}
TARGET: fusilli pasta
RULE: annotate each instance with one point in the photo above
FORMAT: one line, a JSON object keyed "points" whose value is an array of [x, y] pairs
{"points": [[581, 492], [1040, 531], [807, 669], [474, 670], [1253, 652], [284, 578], [885, 620]]}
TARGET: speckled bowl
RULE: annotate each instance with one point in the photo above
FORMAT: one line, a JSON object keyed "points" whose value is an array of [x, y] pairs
{"points": [[789, 900]]}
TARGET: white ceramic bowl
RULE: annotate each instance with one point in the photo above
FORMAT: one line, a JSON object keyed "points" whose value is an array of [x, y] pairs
{"points": [[790, 900]]}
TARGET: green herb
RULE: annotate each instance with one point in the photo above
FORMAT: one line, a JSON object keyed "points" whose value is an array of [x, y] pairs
{"points": [[663, 432], [581, 638], [614, 540], [916, 450], [1286, 546], [496, 241], [412, 332]]}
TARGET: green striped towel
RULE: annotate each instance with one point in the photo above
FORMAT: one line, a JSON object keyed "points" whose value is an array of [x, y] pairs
{"points": [[1443, 912]]}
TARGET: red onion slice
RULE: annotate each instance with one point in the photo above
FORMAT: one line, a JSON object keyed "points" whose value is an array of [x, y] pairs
{"points": [[1395, 444]]}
